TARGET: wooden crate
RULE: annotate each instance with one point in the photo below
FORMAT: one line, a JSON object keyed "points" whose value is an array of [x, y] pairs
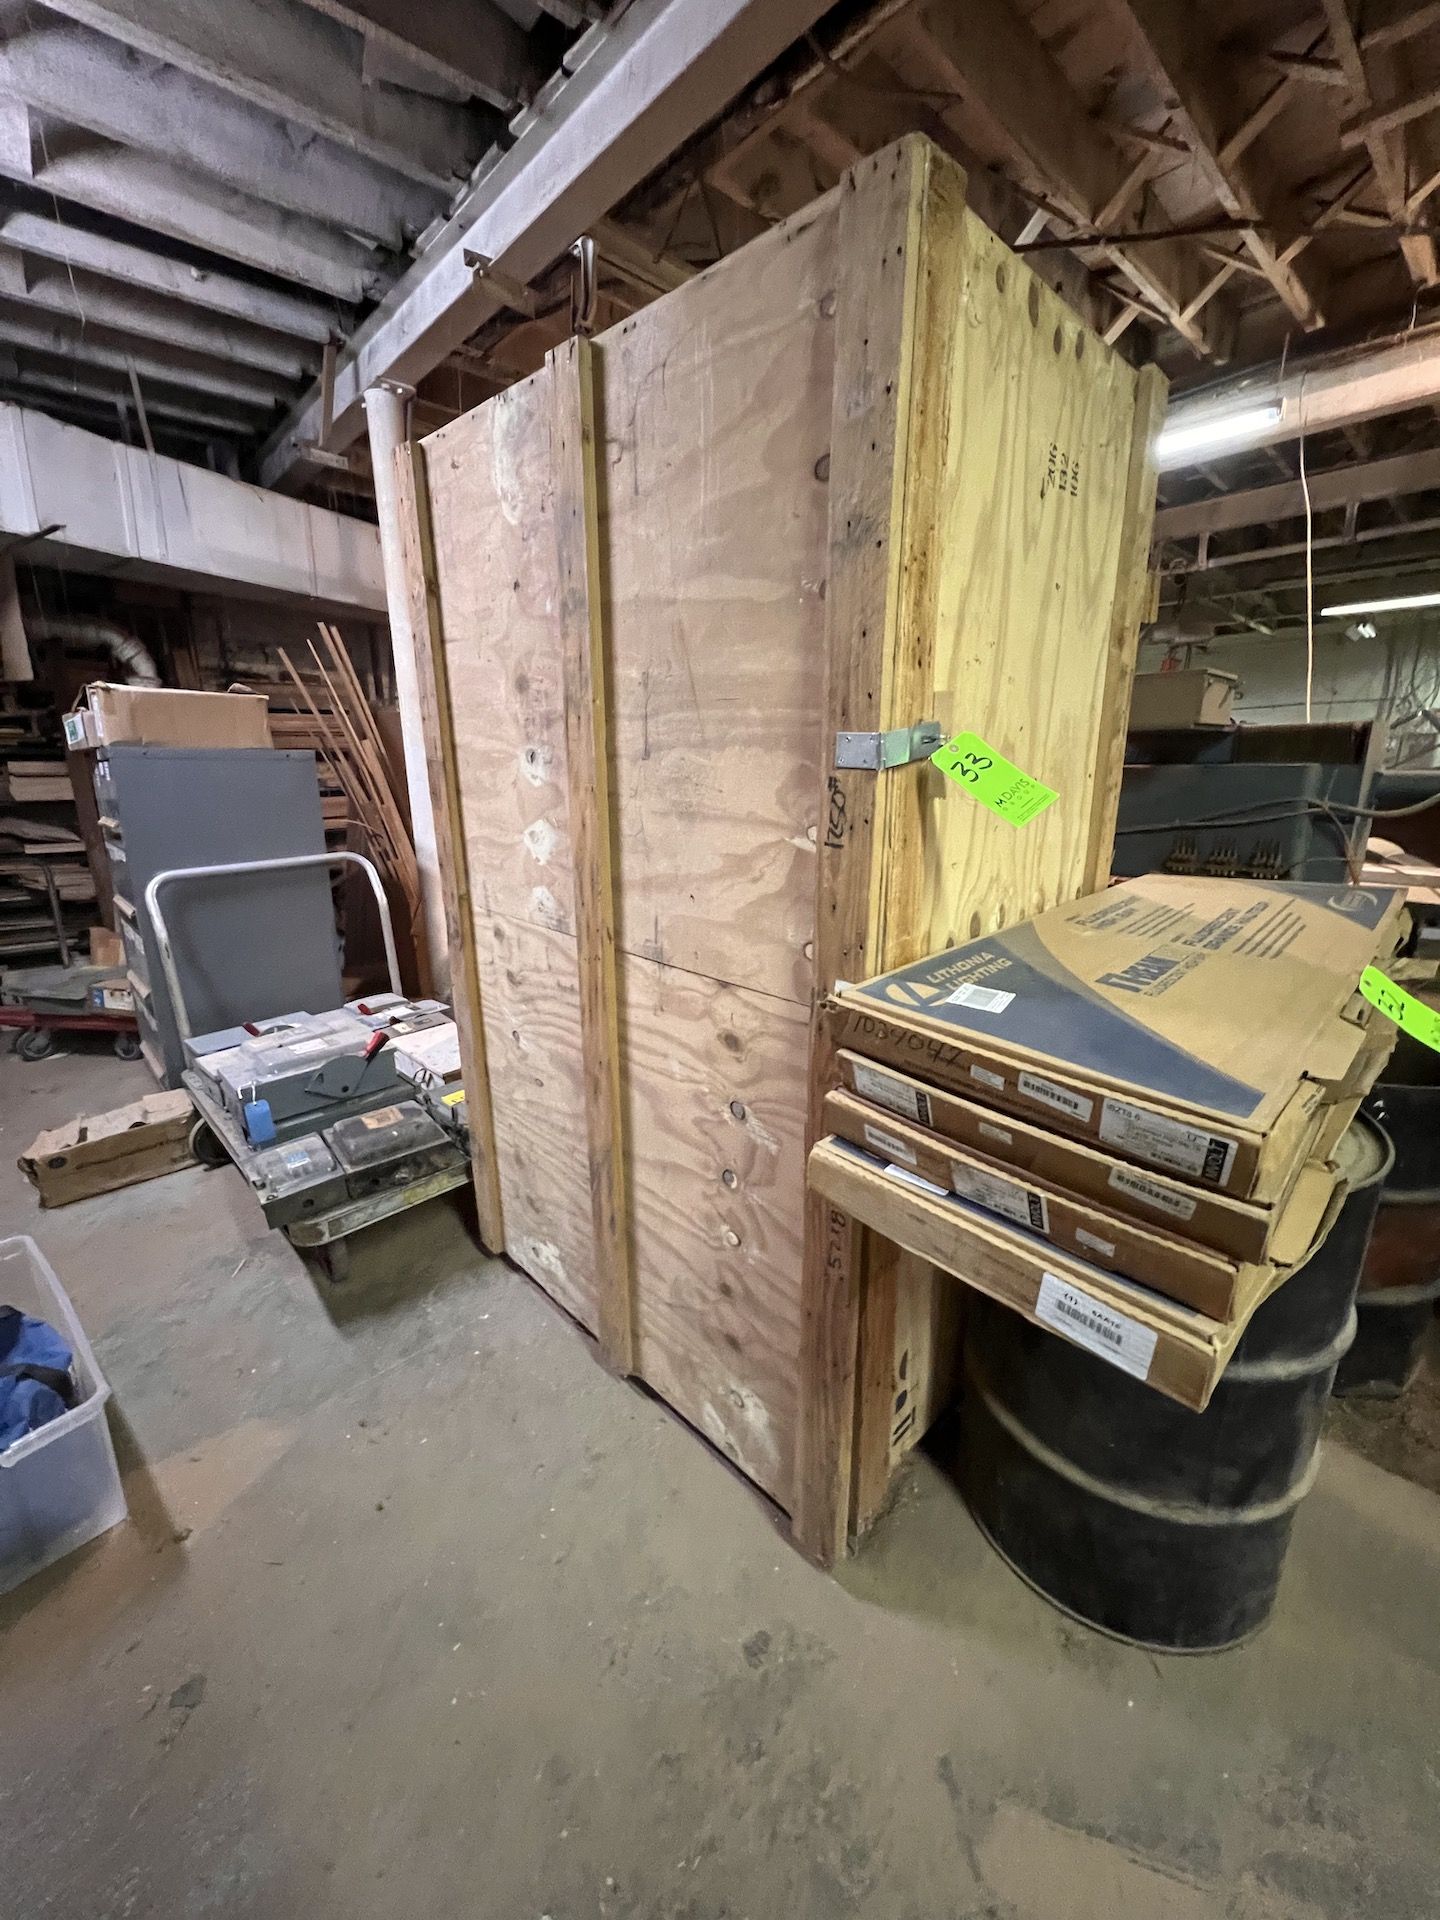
{"points": [[865, 472]]}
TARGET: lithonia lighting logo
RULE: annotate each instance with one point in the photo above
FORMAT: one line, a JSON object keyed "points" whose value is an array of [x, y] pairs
{"points": [[941, 985], [918, 993]]}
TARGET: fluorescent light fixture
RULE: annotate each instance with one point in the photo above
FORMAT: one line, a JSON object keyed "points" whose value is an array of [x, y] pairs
{"points": [[1397, 605], [1188, 438]]}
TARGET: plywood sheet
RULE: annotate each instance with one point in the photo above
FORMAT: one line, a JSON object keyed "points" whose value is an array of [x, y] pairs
{"points": [[716, 1085], [1026, 514], [715, 416], [531, 1011], [492, 503]]}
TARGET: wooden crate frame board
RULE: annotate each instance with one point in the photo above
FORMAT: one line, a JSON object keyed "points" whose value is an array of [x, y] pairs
{"points": [[577, 543], [908, 389], [434, 690]]}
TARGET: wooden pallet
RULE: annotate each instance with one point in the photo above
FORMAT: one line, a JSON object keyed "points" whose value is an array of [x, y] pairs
{"points": [[866, 472]]}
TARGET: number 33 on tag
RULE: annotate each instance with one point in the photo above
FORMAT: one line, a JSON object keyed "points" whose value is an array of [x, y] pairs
{"points": [[997, 783]]}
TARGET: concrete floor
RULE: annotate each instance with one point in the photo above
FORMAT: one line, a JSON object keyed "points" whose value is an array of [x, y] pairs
{"points": [[419, 1612]]}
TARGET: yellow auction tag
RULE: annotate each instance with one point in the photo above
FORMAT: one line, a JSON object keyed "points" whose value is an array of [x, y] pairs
{"points": [[997, 783], [1412, 1016]]}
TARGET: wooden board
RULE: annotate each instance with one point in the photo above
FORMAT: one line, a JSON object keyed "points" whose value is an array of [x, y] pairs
{"points": [[997, 520], [715, 1078], [1025, 593], [715, 412], [879, 246], [433, 686], [708, 599]]}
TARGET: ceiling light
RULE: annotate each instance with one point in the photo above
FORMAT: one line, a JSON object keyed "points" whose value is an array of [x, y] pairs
{"points": [[1188, 438], [1397, 605]]}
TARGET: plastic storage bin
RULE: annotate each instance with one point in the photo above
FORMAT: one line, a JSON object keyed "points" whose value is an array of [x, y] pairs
{"points": [[58, 1487]]}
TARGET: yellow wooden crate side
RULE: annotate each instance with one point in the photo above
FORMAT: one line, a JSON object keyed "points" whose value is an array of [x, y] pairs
{"points": [[1024, 527]]}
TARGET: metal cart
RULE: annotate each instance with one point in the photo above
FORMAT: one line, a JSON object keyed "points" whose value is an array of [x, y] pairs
{"points": [[35, 1032], [314, 1210]]}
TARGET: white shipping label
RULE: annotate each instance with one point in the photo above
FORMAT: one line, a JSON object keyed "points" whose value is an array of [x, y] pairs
{"points": [[916, 1180], [997, 1133], [887, 1144], [886, 1091], [1115, 1337], [987, 1079], [982, 999], [1168, 1143], [998, 1195], [1179, 1206], [1106, 1248], [1060, 1099]]}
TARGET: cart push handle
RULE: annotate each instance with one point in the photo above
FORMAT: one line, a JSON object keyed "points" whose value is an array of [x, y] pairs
{"points": [[295, 862]]}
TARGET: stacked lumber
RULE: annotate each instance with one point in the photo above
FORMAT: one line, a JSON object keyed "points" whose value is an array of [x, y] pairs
{"points": [[359, 787], [29, 782], [1120, 1116]]}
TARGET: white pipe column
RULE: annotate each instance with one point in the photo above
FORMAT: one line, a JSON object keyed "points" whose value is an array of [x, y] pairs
{"points": [[387, 407]]}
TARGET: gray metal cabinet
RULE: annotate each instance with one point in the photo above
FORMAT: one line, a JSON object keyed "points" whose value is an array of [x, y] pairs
{"points": [[244, 948]]}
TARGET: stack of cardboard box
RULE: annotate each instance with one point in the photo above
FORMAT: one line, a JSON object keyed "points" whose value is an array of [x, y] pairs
{"points": [[1120, 1116]]}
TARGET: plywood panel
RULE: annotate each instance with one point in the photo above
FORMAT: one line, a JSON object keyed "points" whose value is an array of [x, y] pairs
{"points": [[715, 416], [1029, 494], [492, 515], [531, 1010], [492, 493], [1028, 509], [715, 1080]]}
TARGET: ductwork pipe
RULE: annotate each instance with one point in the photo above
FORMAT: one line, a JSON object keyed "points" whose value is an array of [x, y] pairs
{"points": [[75, 630]]}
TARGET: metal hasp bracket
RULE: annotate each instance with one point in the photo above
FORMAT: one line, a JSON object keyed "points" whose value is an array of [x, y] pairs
{"points": [[897, 747], [508, 291]]}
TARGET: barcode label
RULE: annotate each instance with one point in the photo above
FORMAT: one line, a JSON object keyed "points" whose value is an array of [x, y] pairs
{"points": [[1179, 1206], [1115, 1337], [987, 1079], [1060, 1099], [887, 1144], [886, 1091], [982, 999], [1168, 1143], [997, 1133], [998, 1195]]}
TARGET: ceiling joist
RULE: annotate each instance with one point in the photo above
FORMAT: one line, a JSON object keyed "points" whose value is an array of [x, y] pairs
{"points": [[70, 73], [295, 62], [145, 190]]}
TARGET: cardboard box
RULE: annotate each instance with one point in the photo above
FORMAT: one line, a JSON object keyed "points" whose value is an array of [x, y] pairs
{"points": [[167, 717], [1196, 697], [106, 948], [114, 995], [1213, 1283], [1202, 1027], [148, 1138], [1239, 1229], [1177, 1351]]}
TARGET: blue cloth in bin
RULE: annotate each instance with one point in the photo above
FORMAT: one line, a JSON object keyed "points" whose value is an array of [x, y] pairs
{"points": [[36, 1386], [25, 1406]]}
